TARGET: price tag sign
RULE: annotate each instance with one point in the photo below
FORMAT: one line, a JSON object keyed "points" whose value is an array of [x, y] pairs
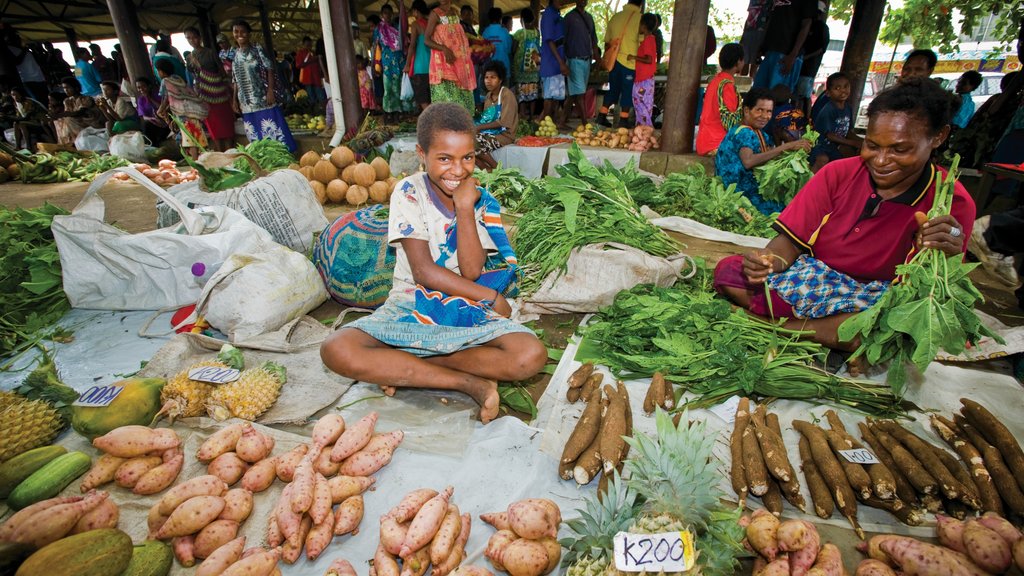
{"points": [[98, 396], [859, 456], [213, 374], [666, 552], [727, 410]]}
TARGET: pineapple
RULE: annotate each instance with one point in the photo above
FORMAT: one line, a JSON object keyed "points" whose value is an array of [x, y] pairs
{"points": [[25, 424], [183, 397], [44, 384], [590, 551], [252, 394]]}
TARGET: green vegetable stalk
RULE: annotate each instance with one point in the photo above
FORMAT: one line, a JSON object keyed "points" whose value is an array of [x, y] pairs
{"points": [[782, 177], [694, 194], [930, 307], [270, 154]]}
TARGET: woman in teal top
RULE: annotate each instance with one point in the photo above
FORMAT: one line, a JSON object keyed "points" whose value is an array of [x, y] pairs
{"points": [[419, 55]]}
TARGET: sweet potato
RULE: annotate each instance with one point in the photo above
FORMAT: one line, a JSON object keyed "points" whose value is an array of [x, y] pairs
{"points": [[260, 475], [237, 505], [184, 550], [191, 516], [904, 489], [304, 483], [829, 562], [497, 519], [251, 447], [324, 465], [1018, 554], [220, 442], [771, 447], [213, 536], [129, 472], [873, 548], [327, 430], [392, 534], [322, 503], [998, 435], [872, 567], [762, 534], [986, 548], [133, 441], [831, 472], [950, 533], [102, 471], [390, 440], [1003, 479], [534, 519], [655, 393], [443, 541], [496, 547], [289, 521], [1001, 526], [259, 564], [579, 377], [228, 467], [446, 566], [219, 560], [416, 563], [53, 523], [160, 477], [524, 557], [426, 523], [340, 567], [319, 536], [349, 515], [987, 493], [287, 462], [153, 521], [384, 564], [104, 515], [777, 567], [19, 519], [803, 548], [366, 463], [292, 549], [207, 485], [588, 465], [355, 438], [585, 431], [470, 570], [915, 558], [344, 487], [737, 476], [274, 536], [821, 498]]}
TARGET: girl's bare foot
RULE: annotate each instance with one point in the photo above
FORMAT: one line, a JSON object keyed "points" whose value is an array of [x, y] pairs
{"points": [[485, 392], [387, 390]]}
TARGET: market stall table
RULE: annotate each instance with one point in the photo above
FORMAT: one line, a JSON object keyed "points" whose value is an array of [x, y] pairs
{"points": [[558, 155]]}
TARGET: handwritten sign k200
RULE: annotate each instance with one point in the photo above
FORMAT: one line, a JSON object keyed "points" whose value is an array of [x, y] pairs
{"points": [[667, 552], [213, 374], [98, 396]]}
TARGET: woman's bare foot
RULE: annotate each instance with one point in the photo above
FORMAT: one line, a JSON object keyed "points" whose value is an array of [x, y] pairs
{"points": [[485, 392]]}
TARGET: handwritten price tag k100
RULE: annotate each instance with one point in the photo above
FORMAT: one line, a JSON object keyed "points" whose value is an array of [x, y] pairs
{"points": [[666, 552], [213, 374], [98, 396], [859, 456]]}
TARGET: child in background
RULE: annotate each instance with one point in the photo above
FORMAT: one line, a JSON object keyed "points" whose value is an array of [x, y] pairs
{"points": [[788, 122], [366, 97], [445, 323], [182, 101], [833, 123], [499, 119], [60, 124], [646, 64], [966, 84]]}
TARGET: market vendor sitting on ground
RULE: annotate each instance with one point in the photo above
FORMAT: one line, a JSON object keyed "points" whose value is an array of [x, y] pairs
{"points": [[842, 237], [445, 323], [117, 109], [748, 146], [498, 121]]}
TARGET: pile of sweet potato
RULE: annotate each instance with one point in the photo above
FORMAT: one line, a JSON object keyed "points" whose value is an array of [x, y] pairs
{"points": [[979, 546], [142, 459], [597, 443], [424, 529], [50, 520], [789, 548], [525, 543]]}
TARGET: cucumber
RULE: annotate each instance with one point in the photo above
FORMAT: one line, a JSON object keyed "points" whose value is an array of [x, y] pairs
{"points": [[49, 480], [14, 470], [151, 558]]}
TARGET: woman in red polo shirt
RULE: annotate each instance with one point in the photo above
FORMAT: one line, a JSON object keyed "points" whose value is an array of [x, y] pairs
{"points": [[842, 237]]}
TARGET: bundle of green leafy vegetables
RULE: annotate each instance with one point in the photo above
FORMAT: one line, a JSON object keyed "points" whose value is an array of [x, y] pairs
{"points": [[694, 194], [30, 276], [584, 205], [699, 342], [508, 185], [930, 307], [270, 154], [782, 177]]}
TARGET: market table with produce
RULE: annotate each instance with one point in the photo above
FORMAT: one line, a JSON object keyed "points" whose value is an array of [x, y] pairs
{"points": [[184, 454]]}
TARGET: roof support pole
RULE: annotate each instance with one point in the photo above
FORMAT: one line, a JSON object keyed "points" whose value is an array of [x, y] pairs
{"points": [[484, 6], [535, 8], [268, 32], [206, 29], [126, 25], [343, 78], [689, 27], [860, 44], [72, 37]]}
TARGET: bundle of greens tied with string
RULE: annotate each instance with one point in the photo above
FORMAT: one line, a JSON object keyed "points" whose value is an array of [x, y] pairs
{"points": [[584, 205], [928, 308], [699, 342], [779, 179]]}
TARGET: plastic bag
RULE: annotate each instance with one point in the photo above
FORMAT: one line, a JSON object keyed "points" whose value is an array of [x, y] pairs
{"points": [[94, 139], [407, 92], [131, 146]]}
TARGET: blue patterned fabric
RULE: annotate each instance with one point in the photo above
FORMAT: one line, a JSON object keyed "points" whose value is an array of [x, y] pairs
{"points": [[729, 167], [816, 291], [354, 259]]}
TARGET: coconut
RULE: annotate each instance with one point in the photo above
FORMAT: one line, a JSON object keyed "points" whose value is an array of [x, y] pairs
{"points": [[324, 171], [309, 159], [14, 171], [364, 175], [379, 191], [347, 174], [357, 195], [381, 168], [319, 190], [342, 156], [336, 190], [307, 171]]}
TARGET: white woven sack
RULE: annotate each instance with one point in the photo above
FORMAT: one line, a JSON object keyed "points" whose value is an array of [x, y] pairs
{"points": [[597, 272], [106, 268]]}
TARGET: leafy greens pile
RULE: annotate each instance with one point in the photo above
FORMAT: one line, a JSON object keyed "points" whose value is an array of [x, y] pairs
{"points": [[929, 307], [509, 186], [782, 177], [699, 342], [694, 194], [584, 205], [30, 276], [270, 154]]}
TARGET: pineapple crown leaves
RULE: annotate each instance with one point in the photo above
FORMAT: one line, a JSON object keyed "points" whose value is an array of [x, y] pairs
{"points": [[231, 356], [676, 472], [721, 544], [600, 520], [277, 371], [44, 384]]}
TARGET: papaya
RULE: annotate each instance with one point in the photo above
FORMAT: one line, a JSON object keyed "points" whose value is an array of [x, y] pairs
{"points": [[151, 558], [104, 552], [138, 403]]}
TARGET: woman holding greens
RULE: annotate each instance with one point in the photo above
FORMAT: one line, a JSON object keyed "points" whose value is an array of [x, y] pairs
{"points": [[842, 237]]}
